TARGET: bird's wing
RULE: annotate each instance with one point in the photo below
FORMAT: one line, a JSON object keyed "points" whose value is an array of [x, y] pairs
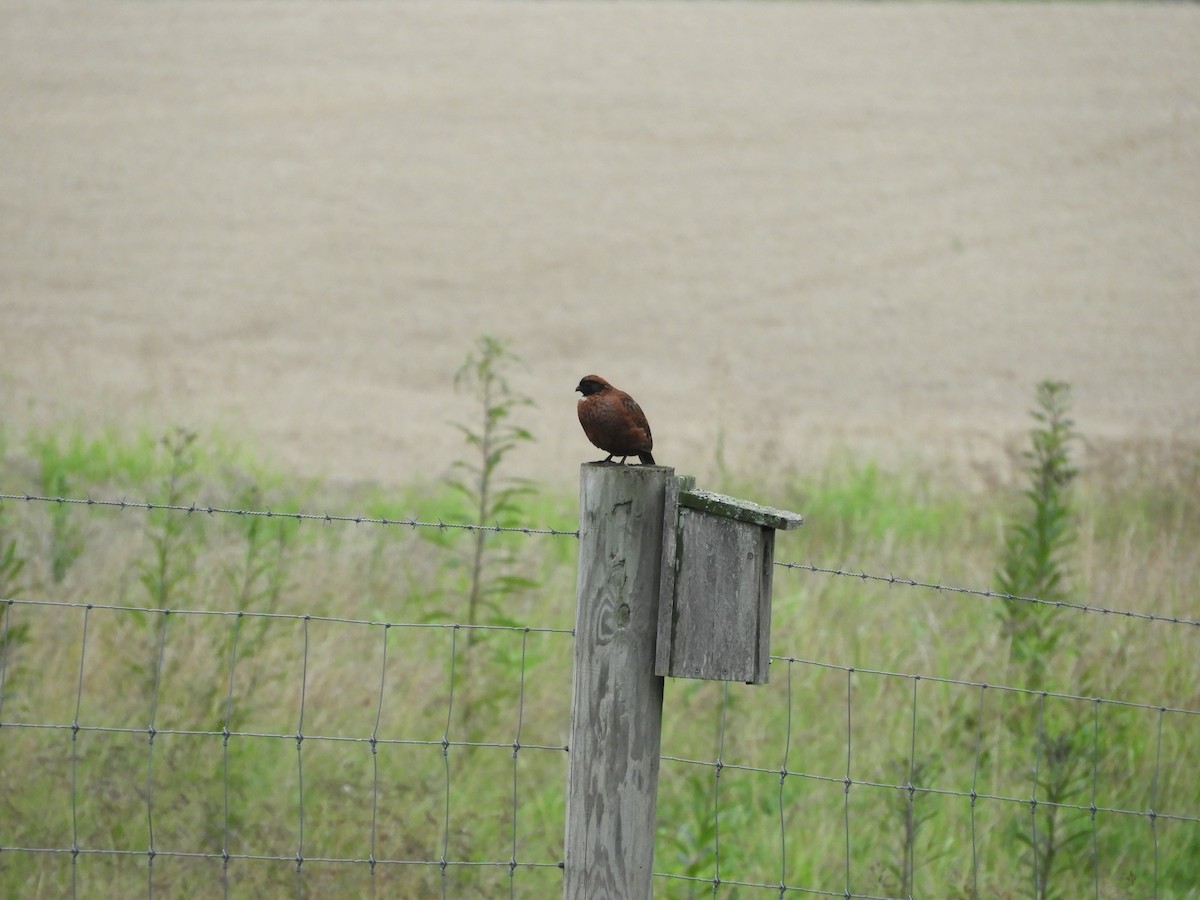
{"points": [[639, 417]]}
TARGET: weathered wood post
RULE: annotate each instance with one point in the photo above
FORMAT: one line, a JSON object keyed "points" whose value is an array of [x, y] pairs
{"points": [[672, 581], [616, 709]]}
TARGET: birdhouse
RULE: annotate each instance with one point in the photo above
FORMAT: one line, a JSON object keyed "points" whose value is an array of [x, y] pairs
{"points": [[714, 615]]}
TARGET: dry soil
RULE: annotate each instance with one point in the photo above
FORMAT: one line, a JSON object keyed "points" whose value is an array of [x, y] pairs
{"points": [[784, 227]]}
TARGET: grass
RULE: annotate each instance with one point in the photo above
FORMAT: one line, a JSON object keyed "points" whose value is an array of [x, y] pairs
{"points": [[917, 747]]}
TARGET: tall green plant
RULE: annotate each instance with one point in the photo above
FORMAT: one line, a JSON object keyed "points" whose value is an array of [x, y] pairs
{"points": [[57, 470], [257, 579], [71, 463], [173, 535], [493, 498], [1034, 563]]}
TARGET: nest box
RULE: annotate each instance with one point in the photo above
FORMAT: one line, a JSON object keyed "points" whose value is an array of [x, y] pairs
{"points": [[714, 614]]}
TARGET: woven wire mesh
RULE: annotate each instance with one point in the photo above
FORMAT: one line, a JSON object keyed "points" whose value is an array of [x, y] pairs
{"points": [[204, 750], [160, 767], [240, 751], [849, 780]]}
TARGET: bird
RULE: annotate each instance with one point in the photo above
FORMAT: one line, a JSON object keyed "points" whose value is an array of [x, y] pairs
{"points": [[613, 421]]}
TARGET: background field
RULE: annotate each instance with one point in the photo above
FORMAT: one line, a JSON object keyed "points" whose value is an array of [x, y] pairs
{"points": [[783, 227]]}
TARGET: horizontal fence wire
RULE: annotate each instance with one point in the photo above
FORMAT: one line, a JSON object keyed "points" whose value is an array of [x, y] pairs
{"points": [[86, 746], [734, 778], [910, 794], [984, 592], [1072, 756], [862, 575], [206, 509], [783, 771], [295, 617]]}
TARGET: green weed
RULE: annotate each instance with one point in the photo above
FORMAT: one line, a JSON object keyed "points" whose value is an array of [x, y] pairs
{"points": [[1034, 562], [492, 497]]}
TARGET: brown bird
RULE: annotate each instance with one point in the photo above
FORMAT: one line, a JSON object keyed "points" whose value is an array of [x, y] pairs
{"points": [[613, 421]]}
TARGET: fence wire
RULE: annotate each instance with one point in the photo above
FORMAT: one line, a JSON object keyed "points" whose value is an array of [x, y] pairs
{"points": [[988, 594], [1036, 806], [1061, 793], [884, 777], [442, 525], [89, 750], [209, 510]]}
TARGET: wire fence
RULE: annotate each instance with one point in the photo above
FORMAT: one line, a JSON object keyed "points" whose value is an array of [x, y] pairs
{"points": [[1057, 787], [147, 742], [178, 750]]}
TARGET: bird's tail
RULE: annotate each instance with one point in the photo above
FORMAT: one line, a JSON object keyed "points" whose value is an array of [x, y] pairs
{"points": [[646, 458]]}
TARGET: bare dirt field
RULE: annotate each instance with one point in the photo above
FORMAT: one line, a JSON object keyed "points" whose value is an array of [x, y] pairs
{"points": [[784, 227]]}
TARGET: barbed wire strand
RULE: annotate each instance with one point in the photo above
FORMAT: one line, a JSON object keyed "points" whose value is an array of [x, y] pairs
{"points": [[210, 510], [414, 523], [990, 594]]}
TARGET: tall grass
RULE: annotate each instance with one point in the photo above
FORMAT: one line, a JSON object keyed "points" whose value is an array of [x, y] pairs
{"points": [[382, 772]]}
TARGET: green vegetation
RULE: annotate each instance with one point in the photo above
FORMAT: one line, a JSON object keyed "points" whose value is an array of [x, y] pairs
{"points": [[493, 579], [1035, 564], [210, 761]]}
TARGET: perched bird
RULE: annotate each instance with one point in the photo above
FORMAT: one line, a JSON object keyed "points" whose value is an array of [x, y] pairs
{"points": [[613, 421]]}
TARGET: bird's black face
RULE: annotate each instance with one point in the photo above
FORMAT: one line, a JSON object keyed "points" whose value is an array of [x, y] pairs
{"points": [[587, 387]]}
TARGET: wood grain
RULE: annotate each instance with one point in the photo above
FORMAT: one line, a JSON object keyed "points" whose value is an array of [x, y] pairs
{"points": [[616, 709]]}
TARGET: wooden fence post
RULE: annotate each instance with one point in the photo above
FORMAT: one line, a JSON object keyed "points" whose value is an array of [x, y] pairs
{"points": [[616, 707]]}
